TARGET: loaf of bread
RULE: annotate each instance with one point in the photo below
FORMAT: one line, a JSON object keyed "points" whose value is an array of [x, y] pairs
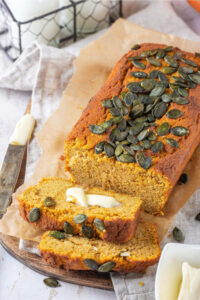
{"points": [[78, 253], [45, 206], [139, 131]]}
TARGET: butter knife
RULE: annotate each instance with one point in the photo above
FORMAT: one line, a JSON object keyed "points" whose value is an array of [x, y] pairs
{"points": [[13, 160]]}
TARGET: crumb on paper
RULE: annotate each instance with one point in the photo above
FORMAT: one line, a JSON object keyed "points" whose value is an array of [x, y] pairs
{"points": [[62, 157], [141, 283]]}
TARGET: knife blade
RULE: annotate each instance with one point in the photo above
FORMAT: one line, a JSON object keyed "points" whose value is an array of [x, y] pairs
{"points": [[13, 160]]}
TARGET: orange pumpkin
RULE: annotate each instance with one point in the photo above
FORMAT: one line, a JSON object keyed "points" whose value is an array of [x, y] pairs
{"points": [[195, 4]]}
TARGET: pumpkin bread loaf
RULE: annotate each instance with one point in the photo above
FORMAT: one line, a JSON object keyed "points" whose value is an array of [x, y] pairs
{"points": [[45, 206], [78, 253], [139, 131]]}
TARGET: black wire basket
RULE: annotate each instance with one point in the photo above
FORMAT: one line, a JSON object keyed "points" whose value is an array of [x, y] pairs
{"points": [[57, 27]]}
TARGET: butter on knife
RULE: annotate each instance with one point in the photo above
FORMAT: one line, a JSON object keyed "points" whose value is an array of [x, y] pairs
{"points": [[23, 130]]}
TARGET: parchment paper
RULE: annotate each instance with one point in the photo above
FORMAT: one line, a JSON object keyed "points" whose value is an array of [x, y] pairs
{"points": [[92, 68]]}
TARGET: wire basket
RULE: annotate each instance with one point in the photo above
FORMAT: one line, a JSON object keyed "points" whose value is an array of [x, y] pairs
{"points": [[72, 20]]}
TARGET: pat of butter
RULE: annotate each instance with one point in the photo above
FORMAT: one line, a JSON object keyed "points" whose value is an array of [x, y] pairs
{"points": [[90, 199], [23, 130], [190, 286]]}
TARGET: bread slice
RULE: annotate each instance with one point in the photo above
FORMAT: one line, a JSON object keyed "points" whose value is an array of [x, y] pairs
{"points": [[78, 253], [152, 170], [120, 222]]}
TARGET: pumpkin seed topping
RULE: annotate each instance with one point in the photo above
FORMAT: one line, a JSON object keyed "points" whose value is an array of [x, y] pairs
{"points": [[117, 102], [87, 231], [160, 54], [183, 179], [91, 264], [182, 92], [144, 162], [138, 64], [166, 98], [99, 147], [154, 61], [128, 150], [195, 78], [146, 144], [143, 134], [68, 228], [172, 142], [51, 282], [114, 112], [99, 224], [97, 129], [174, 114], [49, 201], [151, 136], [157, 147], [179, 131], [172, 62], [107, 267], [178, 235], [168, 49], [180, 100], [153, 74], [197, 218], [186, 70], [80, 218], [129, 98], [59, 235], [118, 150], [109, 150], [189, 62], [159, 110], [136, 47], [126, 158], [34, 214], [148, 84], [163, 129], [158, 90], [107, 103], [138, 74]]}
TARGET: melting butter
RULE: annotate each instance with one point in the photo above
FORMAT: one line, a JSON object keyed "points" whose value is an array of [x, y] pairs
{"points": [[190, 286], [90, 199], [23, 130]]}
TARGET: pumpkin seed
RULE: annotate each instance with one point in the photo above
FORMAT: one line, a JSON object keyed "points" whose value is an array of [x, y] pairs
{"points": [[140, 119], [128, 150], [136, 128], [138, 74], [129, 98], [106, 125], [197, 217], [182, 92], [111, 143], [157, 147], [125, 142], [68, 228], [123, 94], [183, 179], [91, 264], [166, 98], [182, 74], [195, 78], [87, 231], [180, 100], [115, 111], [116, 120], [151, 136], [121, 136], [49, 201], [99, 224], [148, 84], [174, 114], [143, 134], [136, 47], [134, 58], [160, 54], [158, 90], [138, 64], [135, 87], [176, 78], [197, 54], [136, 147], [178, 55], [168, 49], [138, 110], [122, 124], [172, 142], [109, 150], [118, 150], [168, 70], [143, 162], [124, 111], [159, 110], [107, 267], [107, 103], [146, 144], [80, 218], [97, 129], [148, 108], [163, 129], [154, 61], [149, 53], [150, 118], [186, 70], [179, 131], [51, 282], [163, 77], [132, 139], [191, 84], [127, 158], [189, 62], [153, 74], [99, 147], [59, 235], [113, 135], [178, 235], [34, 214], [117, 102], [171, 61]]}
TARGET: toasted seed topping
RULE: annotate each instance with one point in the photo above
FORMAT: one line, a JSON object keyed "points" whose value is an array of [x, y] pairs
{"points": [[109, 150], [144, 162], [157, 147], [80, 218], [126, 158], [154, 61], [163, 129], [180, 100], [174, 114], [107, 103], [99, 224], [178, 235], [107, 267], [59, 235], [51, 282], [138, 74], [179, 131], [49, 201], [91, 264], [172, 142], [138, 64], [34, 215], [87, 231], [136, 47], [99, 147], [68, 228]]}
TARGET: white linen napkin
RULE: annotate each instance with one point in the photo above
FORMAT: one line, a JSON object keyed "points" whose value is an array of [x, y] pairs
{"points": [[46, 71]]}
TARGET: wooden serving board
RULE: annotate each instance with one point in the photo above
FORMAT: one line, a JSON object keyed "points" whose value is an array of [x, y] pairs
{"points": [[33, 261]]}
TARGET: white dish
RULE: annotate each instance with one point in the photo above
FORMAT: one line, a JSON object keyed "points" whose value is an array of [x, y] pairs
{"points": [[169, 271]]}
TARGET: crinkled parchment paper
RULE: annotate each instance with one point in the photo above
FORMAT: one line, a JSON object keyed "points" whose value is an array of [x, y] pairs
{"points": [[92, 68]]}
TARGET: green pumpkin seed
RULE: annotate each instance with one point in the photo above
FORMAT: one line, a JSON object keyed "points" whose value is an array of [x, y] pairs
{"points": [[146, 144], [136, 47], [129, 98], [191, 84], [123, 94], [149, 53], [176, 78], [150, 118], [87, 231], [157, 147], [163, 77], [189, 62], [122, 125], [97, 129], [160, 54], [132, 139], [179, 131], [109, 150], [178, 235], [151, 136], [182, 92], [118, 150], [172, 142], [99, 224], [113, 135], [195, 78], [186, 70], [168, 49], [106, 125], [168, 70], [166, 98], [136, 128], [136, 147], [59, 235], [138, 74], [182, 74], [163, 129], [134, 58], [154, 61], [143, 162], [143, 134], [171, 61], [117, 102], [135, 87], [138, 110], [197, 54], [99, 148], [80, 218], [178, 55], [140, 119], [197, 218], [49, 201], [34, 214], [68, 228], [115, 111], [148, 84], [116, 120], [107, 267], [107, 103], [111, 143], [153, 74], [51, 282], [180, 100], [138, 64], [127, 158], [158, 90], [128, 150], [174, 114], [124, 111], [159, 110], [183, 179], [122, 136], [91, 264]]}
